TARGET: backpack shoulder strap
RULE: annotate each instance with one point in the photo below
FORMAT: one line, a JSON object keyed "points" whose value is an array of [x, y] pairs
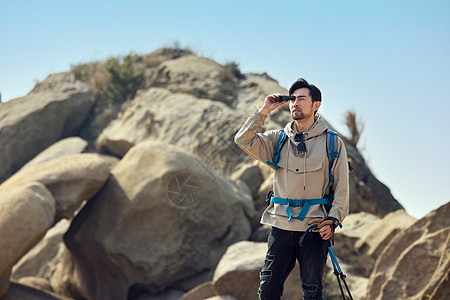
{"points": [[332, 140], [277, 150]]}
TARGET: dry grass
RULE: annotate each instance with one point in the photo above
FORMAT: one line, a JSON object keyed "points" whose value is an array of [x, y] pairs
{"points": [[355, 127]]}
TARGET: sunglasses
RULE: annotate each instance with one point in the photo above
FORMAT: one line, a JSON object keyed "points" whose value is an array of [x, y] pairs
{"points": [[299, 137]]}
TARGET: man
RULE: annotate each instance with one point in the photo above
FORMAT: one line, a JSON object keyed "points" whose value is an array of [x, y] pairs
{"points": [[302, 172]]}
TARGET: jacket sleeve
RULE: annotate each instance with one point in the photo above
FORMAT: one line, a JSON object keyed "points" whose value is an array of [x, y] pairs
{"points": [[340, 206], [258, 145]]}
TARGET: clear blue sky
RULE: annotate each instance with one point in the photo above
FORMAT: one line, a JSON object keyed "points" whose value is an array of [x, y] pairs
{"points": [[387, 60]]}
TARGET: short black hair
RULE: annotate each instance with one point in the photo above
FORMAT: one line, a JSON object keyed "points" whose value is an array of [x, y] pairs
{"points": [[315, 93]]}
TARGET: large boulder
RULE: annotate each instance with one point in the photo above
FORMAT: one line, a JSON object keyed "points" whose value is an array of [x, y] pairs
{"points": [[64, 147], [162, 216], [199, 76], [20, 291], [69, 179], [251, 175], [237, 273], [34, 199], [41, 260], [416, 264], [207, 130], [383, 231], [54, 109], [26, 213]]}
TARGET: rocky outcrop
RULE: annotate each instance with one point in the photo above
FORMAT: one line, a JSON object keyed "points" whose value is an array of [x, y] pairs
{"points": [[191, 74], [383, 231], [416, 264], [252, 176], [24, 292], [237, 273], [26, 213], [54, 109], [161, 217], [208, 127], [64, 147], [35, 198], [69, 179], [41, 260]]}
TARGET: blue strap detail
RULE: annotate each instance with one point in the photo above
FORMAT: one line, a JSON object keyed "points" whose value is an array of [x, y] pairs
{"points": [[276, 149], [304, 203], [332, 154]]}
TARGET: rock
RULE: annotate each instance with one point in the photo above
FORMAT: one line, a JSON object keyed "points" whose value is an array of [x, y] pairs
{"points": [[36, 282], [357, 285], [237, 273], [252, 91], [202, 291], [260, 202], [163, 216], [41, 260], [261, 234], [226, 297], [191, 282], [264, 188], [54, 109], [26, 213], [191, 74], [416, 263], [18, 291], [171, 294], [252, 176], [64, 147], [208, 128], [70, 179], [355, 227], [382, 232], [358, 225]]}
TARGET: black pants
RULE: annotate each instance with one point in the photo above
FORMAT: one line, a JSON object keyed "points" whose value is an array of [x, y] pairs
{"points": [[283, 250]]}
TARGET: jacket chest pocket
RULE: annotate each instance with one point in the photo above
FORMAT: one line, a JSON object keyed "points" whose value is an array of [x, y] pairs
{"points": [[302, 165]]}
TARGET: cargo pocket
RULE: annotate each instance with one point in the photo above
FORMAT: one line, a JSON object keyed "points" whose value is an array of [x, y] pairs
{"points": [[266, 274]]}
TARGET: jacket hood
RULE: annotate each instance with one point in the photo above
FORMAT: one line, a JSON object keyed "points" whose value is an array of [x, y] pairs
{"points": [[316, 129]]}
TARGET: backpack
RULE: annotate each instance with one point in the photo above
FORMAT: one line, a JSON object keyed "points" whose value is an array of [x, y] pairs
{"points": [[332, 140]]}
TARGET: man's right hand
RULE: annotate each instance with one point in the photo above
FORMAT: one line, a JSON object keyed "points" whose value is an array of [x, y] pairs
{"points": [[270, 104]]}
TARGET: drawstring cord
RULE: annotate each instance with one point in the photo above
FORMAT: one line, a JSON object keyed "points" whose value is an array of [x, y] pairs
{"points": [[304, 171]]}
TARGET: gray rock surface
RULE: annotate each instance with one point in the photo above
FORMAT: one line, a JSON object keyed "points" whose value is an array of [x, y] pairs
{"points": [[70, 179], [416, 264], [41, 260], [19, 291], [161, 217], [64, 147], [208, 127], [26, 213], [54, 109]]}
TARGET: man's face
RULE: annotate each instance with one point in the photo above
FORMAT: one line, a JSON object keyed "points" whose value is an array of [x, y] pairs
{"points": [[303, 107]]}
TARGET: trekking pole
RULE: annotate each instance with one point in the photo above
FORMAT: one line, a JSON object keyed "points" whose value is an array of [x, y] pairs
{"points": [[339, 274]]}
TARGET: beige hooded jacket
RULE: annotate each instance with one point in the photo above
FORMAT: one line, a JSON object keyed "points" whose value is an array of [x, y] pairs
{"points": [[299, 176]]}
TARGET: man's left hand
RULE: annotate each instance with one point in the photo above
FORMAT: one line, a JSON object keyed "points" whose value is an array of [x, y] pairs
{"points": [[326, 232]]}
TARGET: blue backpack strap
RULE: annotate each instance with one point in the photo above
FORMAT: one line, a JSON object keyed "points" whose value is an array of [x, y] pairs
{"points": [[332, 139], [304, 203], [277, 150]]}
